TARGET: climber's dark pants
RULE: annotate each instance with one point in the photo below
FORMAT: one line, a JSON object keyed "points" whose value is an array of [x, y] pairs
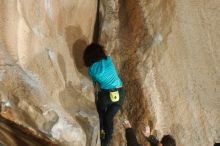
{"points": [[107, 110]]}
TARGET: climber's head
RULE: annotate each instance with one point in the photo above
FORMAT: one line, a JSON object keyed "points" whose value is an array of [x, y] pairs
{"points": [[93, 53], [168, 140]]}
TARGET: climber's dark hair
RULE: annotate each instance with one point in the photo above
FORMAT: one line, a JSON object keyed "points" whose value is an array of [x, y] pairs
{"points": [[168, 140], [93, 53]]}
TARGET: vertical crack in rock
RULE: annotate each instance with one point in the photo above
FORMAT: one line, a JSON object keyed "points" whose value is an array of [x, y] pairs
{"points": [[132, 31], [123, 33], [97, 28]]}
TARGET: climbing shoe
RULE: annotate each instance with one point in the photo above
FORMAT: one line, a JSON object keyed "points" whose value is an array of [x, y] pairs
{"points": [[102, 134]]}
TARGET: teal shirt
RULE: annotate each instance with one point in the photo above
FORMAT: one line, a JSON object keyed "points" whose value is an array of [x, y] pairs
{"points": [[105, 74]]}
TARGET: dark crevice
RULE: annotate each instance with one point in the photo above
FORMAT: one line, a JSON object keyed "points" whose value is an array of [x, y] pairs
{"points": [[96, 32], [21, 135]]}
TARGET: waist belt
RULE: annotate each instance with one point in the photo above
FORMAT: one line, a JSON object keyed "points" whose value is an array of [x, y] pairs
{"points": [[113, 93], [113, 89]]}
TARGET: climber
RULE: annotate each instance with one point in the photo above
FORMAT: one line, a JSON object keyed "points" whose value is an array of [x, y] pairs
{"points": [[111, 93], [167, 140]]}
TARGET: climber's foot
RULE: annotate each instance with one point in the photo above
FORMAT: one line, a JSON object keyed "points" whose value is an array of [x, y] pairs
{"points": [[102, 134]]}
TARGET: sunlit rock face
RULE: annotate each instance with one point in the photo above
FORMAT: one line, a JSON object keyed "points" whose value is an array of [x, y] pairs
{"points": [[167, 53], [43, 84]]}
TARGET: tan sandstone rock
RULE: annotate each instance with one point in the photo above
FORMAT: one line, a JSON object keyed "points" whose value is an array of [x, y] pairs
{"points": [[166, 52], [168, 56], [40, 76]]}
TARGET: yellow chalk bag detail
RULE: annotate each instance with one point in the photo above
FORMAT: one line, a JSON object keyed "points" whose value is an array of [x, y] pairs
{"points": [[114, 96]]}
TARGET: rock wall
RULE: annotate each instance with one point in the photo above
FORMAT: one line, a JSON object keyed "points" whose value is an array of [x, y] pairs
{"points": [[185, 78], [42, 80], [166, 53]]}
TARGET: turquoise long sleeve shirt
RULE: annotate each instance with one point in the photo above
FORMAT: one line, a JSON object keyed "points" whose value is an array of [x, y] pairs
{"points": [[105, 74]]}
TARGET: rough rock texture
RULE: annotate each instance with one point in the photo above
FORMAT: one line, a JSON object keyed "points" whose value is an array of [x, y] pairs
{"points": [[166, 51], [41, 72], [168, 56]]}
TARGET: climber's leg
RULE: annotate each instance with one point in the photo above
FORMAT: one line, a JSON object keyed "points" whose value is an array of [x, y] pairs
{"points": [[110, 113], [102, 106]]}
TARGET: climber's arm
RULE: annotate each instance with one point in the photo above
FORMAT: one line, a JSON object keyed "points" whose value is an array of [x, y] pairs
{"points": [[96, 90], [108, 52]]}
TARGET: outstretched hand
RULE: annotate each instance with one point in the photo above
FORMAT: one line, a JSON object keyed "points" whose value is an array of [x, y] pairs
{"points": [[146, 131], [126, 124]]}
